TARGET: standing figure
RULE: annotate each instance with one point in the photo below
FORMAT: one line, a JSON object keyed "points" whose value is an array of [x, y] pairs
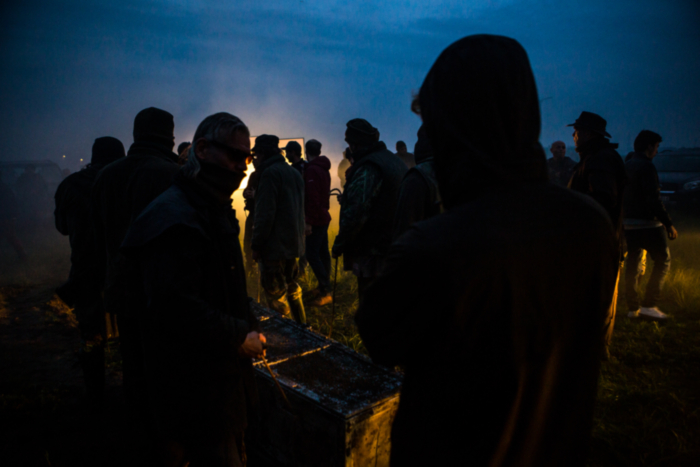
{"points": [[293, 153], [560, 166], [317, 186], [249, 205], [647, 224], [369, 203], [494, 308], [419, 198], [404, 155], [195, 313], [601, 175], [83, 291], [278, 228], [122, 190], [344, 166]]}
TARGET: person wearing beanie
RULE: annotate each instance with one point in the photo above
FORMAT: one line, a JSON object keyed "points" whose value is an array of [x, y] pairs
{"points": [[199, 333], [419, 197], [121, 191], [83, 291], [278, 228], [494, 308], [369, 203]]}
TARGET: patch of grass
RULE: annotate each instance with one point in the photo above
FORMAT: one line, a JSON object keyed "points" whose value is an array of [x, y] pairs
{"points": [[648, 408]]}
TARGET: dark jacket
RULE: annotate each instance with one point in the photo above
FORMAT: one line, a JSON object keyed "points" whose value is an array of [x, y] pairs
{"points": [[371, 230], [122, 190], [642, 194], [194, 311], [560, 170], [72, 216], [495, 308], [278, 228], [317, 186], [419, 198], [253, 181], [601, 175]]}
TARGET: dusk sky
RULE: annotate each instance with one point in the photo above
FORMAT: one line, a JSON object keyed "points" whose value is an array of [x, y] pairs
{"points": [[76, 70]]}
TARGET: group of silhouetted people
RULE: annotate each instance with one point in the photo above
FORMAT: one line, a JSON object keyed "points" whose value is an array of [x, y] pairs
{"points": [[491, 287]]}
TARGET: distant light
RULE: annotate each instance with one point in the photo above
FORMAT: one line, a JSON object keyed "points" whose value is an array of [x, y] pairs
{"points": [[81, 160], [64, 157]]}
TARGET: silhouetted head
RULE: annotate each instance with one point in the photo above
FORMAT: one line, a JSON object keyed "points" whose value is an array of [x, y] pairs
{"points": [[588, 126], [401, 147], [480, 110], [266, 146], [647, 143], [155, 126], [182, 146], [293, 151], [106, 150], [313, 149], [360, 135], [558, 149], [221, 140]]}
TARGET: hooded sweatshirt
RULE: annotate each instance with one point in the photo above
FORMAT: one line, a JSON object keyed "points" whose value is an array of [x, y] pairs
{"points": [[495, 308]]}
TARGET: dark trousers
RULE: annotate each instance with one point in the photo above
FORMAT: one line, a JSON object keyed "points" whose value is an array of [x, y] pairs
{"points": [[133, 366], [654, 242], [248, 241], [319, 257]]}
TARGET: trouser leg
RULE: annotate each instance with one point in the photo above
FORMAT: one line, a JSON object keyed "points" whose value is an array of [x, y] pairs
{"points": [[291, 272], [632, 269], [248, 242], [274, 285], [612, 311], [319, 257], [133, 370], [91, 324], [657, 249]]}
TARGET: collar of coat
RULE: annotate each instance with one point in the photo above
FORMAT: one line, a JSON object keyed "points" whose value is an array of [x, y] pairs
{"points": [[276, 159], [594, 146], [148, 148]]}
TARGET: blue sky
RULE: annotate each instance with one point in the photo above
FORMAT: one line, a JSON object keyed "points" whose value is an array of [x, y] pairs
{"points": [[80, 69]]}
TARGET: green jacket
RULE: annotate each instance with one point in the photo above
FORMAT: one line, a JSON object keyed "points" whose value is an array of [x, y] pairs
{"points": [[278, 228]]}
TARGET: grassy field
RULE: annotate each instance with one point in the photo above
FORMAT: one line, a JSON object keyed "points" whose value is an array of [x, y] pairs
{"points": [[648, 410]]}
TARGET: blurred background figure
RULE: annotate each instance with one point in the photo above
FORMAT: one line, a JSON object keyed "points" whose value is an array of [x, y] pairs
{"points": [[343, 167], [560, 166], [419, 198], [404, 155], [647, 225], [33, 196], [317, 188], [249, 205], [182, 151]]}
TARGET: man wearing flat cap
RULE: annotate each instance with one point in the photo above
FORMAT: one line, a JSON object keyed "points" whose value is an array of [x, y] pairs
{"points": [[122, 190], [278, 228], [601, 175], [83, 291], [293, 153], [369, 203]]}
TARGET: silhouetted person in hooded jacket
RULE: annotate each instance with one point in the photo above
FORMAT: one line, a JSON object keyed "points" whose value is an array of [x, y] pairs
{"points": [[494, 307], [122, 190], [83, 291]]}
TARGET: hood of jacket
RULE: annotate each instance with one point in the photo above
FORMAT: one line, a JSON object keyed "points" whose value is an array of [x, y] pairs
{"points": [[481, 112], [322, 162]]}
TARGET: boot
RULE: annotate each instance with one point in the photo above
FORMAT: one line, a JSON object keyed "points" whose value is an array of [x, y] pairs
{"points": [[295, 303], [278, 304]]}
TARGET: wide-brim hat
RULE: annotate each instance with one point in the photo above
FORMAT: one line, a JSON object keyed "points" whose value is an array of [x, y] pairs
{"points": [[266, 141], [592, 122]]}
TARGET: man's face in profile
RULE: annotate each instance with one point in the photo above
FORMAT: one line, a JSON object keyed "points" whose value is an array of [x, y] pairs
{"points": [[558, 149]]}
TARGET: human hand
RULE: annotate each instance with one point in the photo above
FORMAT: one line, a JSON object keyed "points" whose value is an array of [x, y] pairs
{"points": [[307, 230], [672, 233], [253, 344]]}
